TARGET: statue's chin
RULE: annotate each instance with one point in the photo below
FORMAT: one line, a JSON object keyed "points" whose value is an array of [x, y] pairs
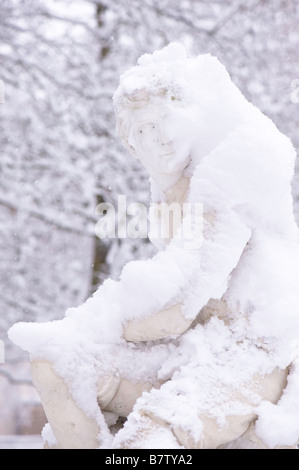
{"points": [[171, 169]]}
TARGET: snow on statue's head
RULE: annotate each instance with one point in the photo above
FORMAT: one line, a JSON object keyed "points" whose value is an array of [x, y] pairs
{"points": [[172, 109]]}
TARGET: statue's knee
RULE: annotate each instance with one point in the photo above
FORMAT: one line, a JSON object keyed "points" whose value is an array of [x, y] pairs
{"points": [[119, 395], [43, 375]]}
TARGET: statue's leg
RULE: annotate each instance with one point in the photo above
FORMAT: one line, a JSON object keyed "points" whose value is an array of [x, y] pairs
{"points": [[249, 440], [145, 430], [147, 425], [119, 395], [70, 425]]}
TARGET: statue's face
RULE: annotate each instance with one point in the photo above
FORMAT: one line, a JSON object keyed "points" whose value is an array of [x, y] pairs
{"points": [[159, 137]]}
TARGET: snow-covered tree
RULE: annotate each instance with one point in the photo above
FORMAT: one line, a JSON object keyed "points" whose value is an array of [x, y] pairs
{"points": [[48, 132], [45, 171]]}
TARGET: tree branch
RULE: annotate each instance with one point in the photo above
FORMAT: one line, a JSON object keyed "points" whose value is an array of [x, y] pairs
{"points": [[14, 208], [14, 381]]}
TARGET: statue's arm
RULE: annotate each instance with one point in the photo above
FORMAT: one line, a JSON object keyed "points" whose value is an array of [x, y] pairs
{"points": [[225, 237], [165, 323]]}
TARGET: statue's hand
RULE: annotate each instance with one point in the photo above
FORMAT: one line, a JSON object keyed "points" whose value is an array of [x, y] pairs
{"points": [[165, 323]]}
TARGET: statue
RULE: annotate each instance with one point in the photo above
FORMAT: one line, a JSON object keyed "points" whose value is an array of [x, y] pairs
{"points": [[196, 347]]}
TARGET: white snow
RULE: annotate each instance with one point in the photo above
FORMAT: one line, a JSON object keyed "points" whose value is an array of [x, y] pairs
{"points": [[48, 436], [241, 170], [279, 424]]}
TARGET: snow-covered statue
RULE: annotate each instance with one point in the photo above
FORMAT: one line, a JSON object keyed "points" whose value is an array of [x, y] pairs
{"points": [[196, 347]]}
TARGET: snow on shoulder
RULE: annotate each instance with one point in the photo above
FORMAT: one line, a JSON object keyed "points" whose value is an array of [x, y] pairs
{"points": [[237, 295]]}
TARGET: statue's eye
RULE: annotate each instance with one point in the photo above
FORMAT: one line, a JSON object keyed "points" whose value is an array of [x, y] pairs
{"points": [[146, 129]]}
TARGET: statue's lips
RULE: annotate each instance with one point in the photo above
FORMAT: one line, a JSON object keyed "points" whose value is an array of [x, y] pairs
{"points": [[167, 155]]}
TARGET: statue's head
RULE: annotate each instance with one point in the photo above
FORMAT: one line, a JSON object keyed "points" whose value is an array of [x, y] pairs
{"points": [[165, 108], [153, 126], [152, 117]]}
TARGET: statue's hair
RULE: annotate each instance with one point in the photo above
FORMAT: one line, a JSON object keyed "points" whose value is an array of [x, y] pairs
{"points": [[133, 100]]}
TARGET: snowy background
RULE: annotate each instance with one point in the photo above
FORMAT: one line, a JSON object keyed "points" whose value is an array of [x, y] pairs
{"points": [[60, 156]]}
